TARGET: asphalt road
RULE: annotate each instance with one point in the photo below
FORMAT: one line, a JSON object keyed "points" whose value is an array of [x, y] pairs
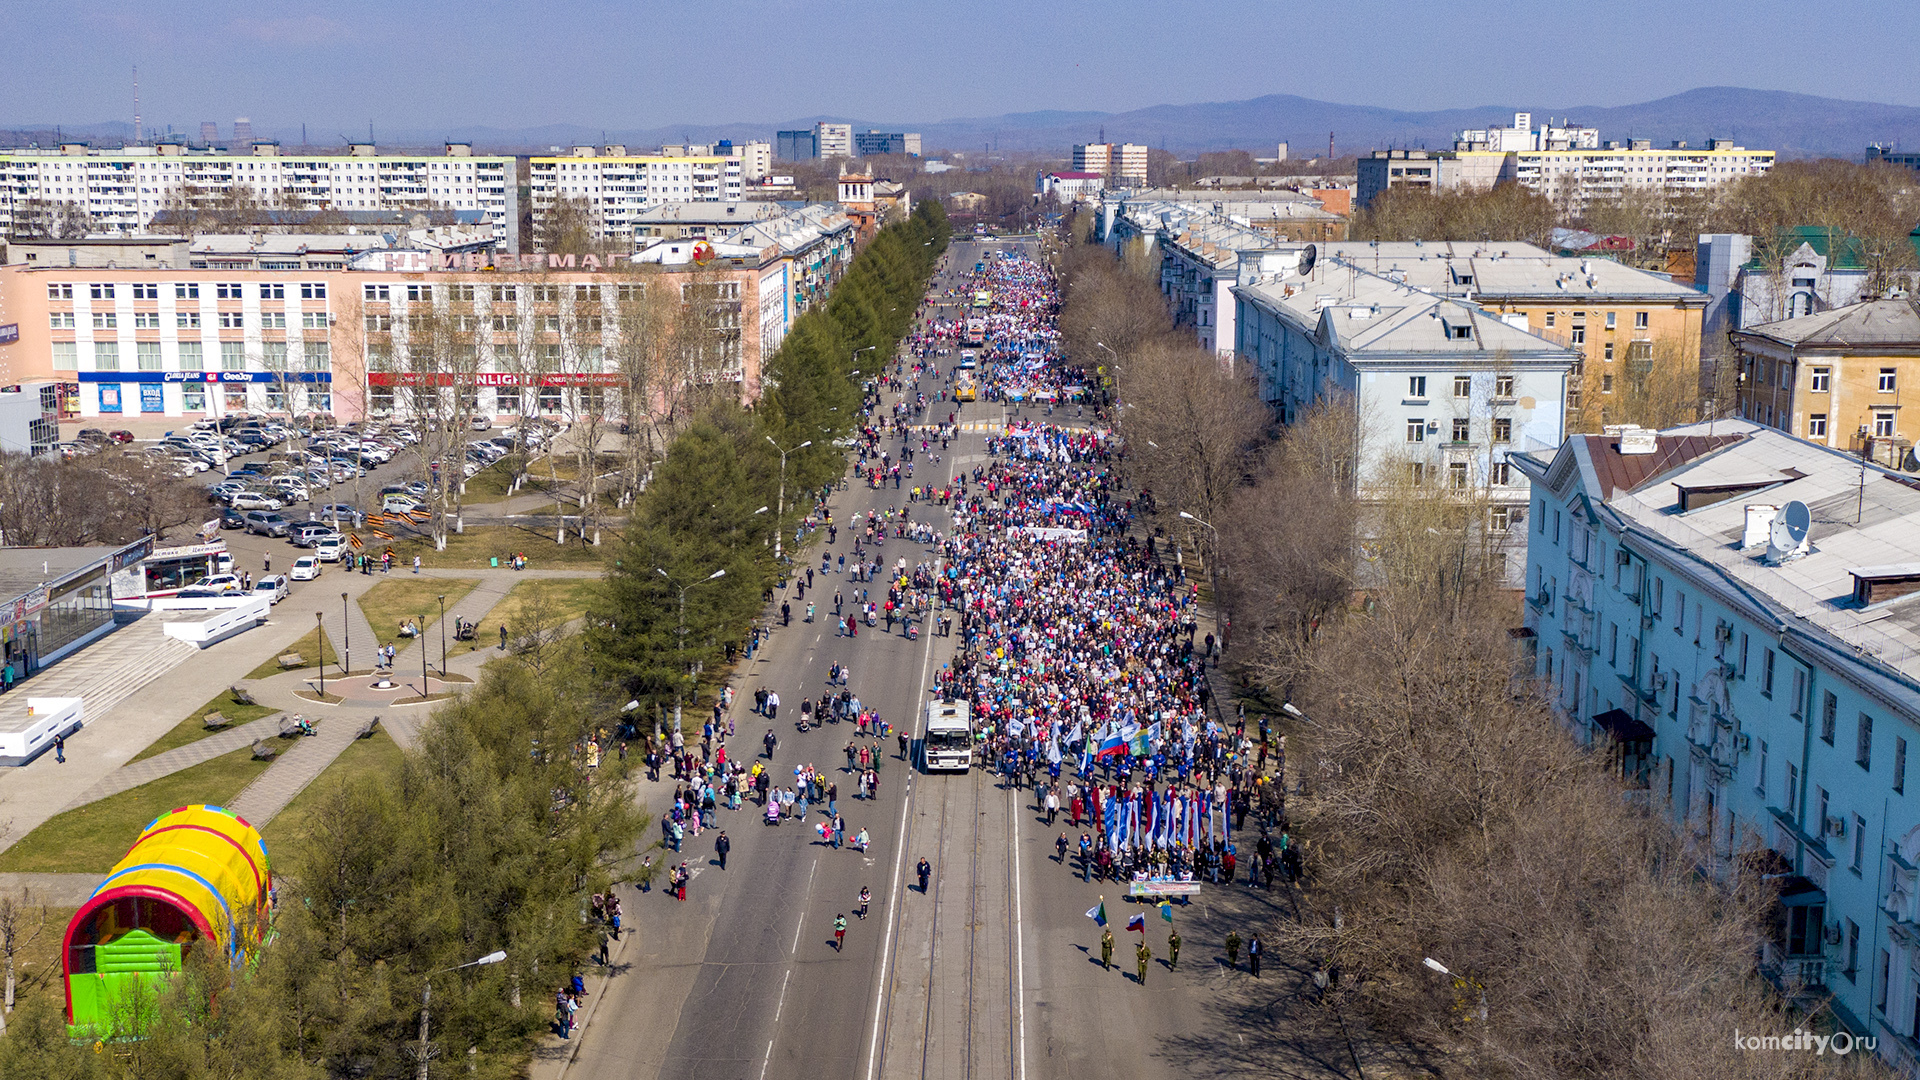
{"points": [[994, 972]]}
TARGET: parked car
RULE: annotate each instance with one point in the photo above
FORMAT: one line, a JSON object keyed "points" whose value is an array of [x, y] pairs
{"points": [[221, 583], [305, 568], [400, 504], [231, 518], [271, 586], [121, 436], [253, 502], [265, 523], [330, 549], [482, 423], [336, 512], [308, 533]]}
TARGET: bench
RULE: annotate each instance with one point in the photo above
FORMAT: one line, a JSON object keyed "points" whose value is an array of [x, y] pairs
{"points": [[290, 726], [215, 721], [293, 660], [240, 695], [262, 751], [367, 729]]}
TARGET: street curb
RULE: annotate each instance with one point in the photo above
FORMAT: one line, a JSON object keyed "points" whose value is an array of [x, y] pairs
{"points": [[596, 993]]}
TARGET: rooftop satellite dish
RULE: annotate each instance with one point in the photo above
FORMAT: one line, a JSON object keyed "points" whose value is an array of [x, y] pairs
{"points": [[1306, 260], [1787, 537]]}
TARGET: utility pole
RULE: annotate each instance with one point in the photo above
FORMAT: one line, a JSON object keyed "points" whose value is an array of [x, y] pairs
{"points": [[780, 507], [680, 634]]}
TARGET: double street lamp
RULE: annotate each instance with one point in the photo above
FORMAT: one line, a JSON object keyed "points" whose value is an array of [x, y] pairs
{"points": [[780, 508], [680, 634]]}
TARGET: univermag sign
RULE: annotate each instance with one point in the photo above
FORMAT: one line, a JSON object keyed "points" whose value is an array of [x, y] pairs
{"points": [[413, 262]]}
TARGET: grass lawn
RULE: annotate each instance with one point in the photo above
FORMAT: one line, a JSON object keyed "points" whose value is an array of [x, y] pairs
{"points": [[490, 484], [193, 728], [309, 648], [408, 597], [472, 549], [377, 753], [90, 839], [567, 598]]}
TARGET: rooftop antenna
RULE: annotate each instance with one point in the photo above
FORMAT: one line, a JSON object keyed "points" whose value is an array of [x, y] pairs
{"points": [[136, 104]]}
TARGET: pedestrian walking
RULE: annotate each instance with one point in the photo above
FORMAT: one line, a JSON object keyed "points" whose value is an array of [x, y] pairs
{"points": [[839, 933], [925, 870], [722, 845], [1233, 948], [1173, 949], [1144, 956], [60, 749], [1253, 955], [866, 897], [416, 564], [1106, 949]]}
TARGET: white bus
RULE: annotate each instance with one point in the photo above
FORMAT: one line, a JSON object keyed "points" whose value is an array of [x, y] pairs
{"points": [[948, 744]]}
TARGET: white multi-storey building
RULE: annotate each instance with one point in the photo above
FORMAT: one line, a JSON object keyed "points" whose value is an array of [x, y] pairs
{"points": [[1729, 613], [77, 187], [617, 187]]}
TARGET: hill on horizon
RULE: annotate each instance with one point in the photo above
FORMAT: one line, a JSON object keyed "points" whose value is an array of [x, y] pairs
{"points": [[1795, 125]]}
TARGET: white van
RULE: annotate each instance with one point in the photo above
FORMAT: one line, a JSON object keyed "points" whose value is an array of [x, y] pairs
{"points": [[948, 743]]}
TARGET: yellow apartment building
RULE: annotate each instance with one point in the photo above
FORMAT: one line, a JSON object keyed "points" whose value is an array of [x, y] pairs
{"points": [[1839, 377]]}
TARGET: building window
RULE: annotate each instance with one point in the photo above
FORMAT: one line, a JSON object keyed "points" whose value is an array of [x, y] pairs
{"points": [[193, 397], [1416, 474], [1899, 766], [1462, 429], [1416, 430], [1886, 380], [1606, 383], [505, 294], [1882, 424], [318, 355], [105, 320], [313, 320], [273, 290], [1863, 744], [233, 356], [1607, 351], [1503, 386], [146, 290], [1578, 332], [106, 356], [1463, 386], [228, 291], [377, 292], [61, 320], [102, 291], [313, 290], [1793, 788], [1416, 386], [1639, 320], [1499, 519], [1817, 426], [1457, 474], [1549, 318], [1880, 990], [146, 355], [1500, 475], [1829, 713], [1822, 379], [1766, 675], [1859, 843], [418, 293], [273, 320], [232, 320], [1612, 319], [63, 291], [1760, 773], [191, 358], [187, 320]]}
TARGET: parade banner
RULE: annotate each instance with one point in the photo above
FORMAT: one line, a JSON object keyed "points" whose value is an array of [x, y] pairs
{"points": [[1163, 888], [1041, 532]]}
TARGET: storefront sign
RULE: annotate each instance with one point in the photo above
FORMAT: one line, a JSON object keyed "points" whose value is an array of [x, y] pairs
{"points": [[494, 378], [9, 333], [30, 604], [130, 554], [153, 398], [108, 378], [109, 396]]}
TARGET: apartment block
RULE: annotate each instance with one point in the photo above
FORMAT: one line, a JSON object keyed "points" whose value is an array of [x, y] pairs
{"points": [[833, 140], [616, 188], [1838, 378], [124, 190], [1122, 162], [1726, 614]]}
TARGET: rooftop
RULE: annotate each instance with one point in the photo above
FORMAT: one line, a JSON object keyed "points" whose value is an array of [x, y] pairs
{"points": [[1862, 519], [23, 569], [1894, 323]]}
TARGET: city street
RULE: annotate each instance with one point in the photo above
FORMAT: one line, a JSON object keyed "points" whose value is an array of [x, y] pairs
{"points": [[994, 972]]}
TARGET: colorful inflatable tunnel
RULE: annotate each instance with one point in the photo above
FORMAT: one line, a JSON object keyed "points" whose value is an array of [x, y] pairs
{"points": [[197, 876]]}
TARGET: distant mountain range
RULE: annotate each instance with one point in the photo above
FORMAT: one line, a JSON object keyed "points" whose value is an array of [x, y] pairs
{"points": [[1796, 125]]}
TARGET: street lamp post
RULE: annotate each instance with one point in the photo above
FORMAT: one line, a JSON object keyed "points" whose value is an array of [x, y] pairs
{"points": [[443, 635], [1437, 966], [426, 1000], [319, 627], [346, 637], [680, 634], [780, 507], [424, 685]]}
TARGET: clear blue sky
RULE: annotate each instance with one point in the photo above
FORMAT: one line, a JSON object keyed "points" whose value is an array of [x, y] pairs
{"points": [[412, 65]]}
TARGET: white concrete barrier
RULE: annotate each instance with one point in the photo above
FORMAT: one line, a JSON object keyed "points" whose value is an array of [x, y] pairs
{"points": [[220, 624], [46, 720]]}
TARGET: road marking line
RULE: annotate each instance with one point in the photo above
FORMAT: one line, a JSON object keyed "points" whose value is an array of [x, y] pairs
{"points": [[1019, 945]]}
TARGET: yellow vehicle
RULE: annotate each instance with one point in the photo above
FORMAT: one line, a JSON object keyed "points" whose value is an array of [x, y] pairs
{"points": [[965, 390]]}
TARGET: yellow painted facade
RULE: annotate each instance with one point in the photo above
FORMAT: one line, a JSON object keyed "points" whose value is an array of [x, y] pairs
{"points": [[1845, 398]]}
